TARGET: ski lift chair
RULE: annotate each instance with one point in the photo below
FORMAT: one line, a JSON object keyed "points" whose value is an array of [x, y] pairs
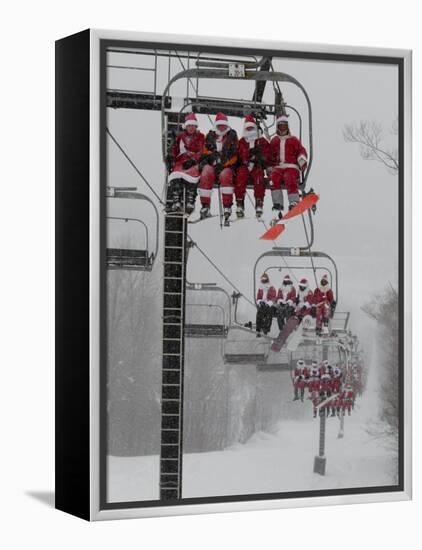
{"points": [[339, 323], [208, 329], [297, 254], [251, 69], [242, 351], [141, 259]]}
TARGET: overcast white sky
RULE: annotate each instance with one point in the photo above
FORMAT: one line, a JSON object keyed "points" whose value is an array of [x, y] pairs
{"points": [[356, 222]]}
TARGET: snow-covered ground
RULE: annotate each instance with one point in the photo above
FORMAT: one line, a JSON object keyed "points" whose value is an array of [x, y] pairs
{"points": [[277, 462]]}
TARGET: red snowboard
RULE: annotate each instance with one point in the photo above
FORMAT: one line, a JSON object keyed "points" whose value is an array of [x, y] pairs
{"points": [[276, 230]]}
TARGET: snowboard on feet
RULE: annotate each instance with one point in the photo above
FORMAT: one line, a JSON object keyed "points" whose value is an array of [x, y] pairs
{"points": [[305, 204]]}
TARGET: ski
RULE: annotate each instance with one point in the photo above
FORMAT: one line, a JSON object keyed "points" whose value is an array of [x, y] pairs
{"points": [[197, 220], [276, 230], [259, 220]]}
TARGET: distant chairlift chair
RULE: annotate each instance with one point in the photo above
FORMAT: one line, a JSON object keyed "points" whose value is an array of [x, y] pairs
{"points": [[207, 329], [128, 258]]}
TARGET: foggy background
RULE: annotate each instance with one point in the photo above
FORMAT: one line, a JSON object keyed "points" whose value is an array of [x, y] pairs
{"points": [[356, 223]]}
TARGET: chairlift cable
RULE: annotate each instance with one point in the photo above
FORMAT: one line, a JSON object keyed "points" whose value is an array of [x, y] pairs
{"points": [[134, 166], [219, 270], [310, 251]]}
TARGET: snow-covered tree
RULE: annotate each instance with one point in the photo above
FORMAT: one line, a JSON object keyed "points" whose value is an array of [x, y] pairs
{"points": [[384, 309]]}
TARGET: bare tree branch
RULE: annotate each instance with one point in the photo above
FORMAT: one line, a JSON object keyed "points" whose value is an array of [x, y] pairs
{"points": [[369, 136]]}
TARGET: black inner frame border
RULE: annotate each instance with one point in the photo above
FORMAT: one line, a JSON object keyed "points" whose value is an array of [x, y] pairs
{"points": [[351, 58]]}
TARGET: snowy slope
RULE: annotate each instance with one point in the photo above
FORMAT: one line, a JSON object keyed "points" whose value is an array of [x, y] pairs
{"points": [[278, 462]]}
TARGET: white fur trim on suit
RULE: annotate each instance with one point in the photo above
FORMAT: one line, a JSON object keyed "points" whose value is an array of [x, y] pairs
{"points": [[183, 176], [288, 165], [282, 150], [205, 192], [226, 190]]}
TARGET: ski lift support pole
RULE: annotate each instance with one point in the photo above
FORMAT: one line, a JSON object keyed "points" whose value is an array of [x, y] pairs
{"points": [[320, 460]]}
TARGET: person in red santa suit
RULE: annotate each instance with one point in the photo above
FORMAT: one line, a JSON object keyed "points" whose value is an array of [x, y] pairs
{"points": [[298, 370], [323, 368], [324, 305], [326, 384], [314, 382], [298, 377], [286, 299], [337, 375], [288, 160], [350, 396], [265, 300], [303, 301], [218, 164], [183, 165], [253, 157]]}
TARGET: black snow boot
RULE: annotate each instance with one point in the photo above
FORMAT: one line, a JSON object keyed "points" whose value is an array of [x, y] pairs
{"points": [[277, 214], [227, 214], [240, 209], [190, 198], [205, 212]]}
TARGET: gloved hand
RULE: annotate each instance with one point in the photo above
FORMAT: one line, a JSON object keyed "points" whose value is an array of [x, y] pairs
{"points": [[205, 159], [188, 164], [218, 168]]}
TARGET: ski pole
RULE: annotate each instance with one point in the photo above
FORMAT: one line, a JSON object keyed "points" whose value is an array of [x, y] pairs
{"points": [[220, 205]]}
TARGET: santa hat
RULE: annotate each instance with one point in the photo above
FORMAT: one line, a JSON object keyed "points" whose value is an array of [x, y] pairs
{"points": [[287, 280], [249, 122], [303, 282], [300, 363], [191, 120], [282, 119], [221, 119]]}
